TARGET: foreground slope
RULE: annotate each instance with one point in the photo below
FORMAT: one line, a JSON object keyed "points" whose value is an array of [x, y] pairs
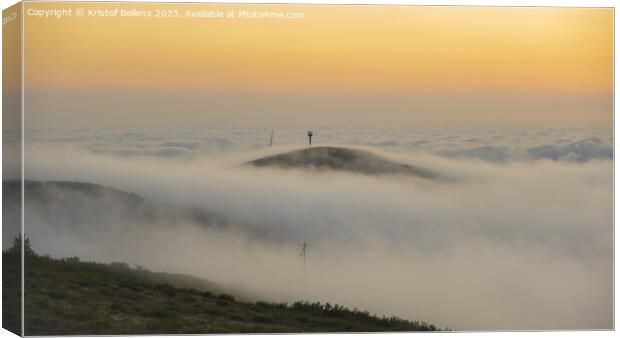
{"points": [[66, 296], [341, 159]]}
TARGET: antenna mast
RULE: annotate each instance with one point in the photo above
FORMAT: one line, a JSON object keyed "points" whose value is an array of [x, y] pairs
{"points": [[303, 251], [271, 139]]}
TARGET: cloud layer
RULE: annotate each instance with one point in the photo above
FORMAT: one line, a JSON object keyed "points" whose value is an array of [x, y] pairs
{"points": [[498, 145], [523, 244]]}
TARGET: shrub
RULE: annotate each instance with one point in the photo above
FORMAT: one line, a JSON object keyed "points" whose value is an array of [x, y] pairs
{"points": [[226, 297]]}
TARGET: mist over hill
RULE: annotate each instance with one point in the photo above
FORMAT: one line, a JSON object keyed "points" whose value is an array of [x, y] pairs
{"points": [[74, 204], [79, 206], [491, 249], [327, 158]]}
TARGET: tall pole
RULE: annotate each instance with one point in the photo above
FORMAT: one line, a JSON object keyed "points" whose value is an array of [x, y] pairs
{"points": [[305, 248], [303, 251], [310, 138]]}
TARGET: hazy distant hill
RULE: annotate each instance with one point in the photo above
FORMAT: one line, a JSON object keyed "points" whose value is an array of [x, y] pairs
{"points": [[67, 297], [78, 203], [342, 159]]}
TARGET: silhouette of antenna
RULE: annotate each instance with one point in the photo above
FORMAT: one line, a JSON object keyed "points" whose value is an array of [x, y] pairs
{"points": [[271, 139], [310, 138], [303, 249]]}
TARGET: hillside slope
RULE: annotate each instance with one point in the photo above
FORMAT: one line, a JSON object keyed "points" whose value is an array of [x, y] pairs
{"points": [[66, 297], [341, 159], [56, 202]]}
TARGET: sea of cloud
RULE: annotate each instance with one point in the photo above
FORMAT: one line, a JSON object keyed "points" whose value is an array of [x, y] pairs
{"points": [[520, 237], [497, 145]]}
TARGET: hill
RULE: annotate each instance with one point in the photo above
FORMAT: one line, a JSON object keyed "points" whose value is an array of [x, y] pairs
{"points": [[57, 202], [69, 297], [341, 159], [69, 205]]}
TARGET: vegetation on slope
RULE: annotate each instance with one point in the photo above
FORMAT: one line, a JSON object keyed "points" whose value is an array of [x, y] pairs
{"points": [[67, 296]]}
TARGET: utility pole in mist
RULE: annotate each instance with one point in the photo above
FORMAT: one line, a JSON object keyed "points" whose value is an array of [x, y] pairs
{"points": [[303, 251]]}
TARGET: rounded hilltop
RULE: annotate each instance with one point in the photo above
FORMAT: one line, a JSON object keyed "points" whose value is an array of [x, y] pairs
{"points": [[330, 158]]}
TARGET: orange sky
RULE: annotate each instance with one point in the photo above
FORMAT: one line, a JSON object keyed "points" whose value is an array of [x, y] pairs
{"points": [[347, 51]]}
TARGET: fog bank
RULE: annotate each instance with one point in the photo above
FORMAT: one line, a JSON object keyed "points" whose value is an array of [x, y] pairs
{"points": [[523, 245]]}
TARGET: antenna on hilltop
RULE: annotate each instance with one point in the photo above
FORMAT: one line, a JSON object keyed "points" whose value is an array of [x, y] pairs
{"points": [[303, 249]]}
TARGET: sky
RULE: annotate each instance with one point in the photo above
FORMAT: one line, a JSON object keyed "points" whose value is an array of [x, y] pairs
{"points": [[357, 65]]}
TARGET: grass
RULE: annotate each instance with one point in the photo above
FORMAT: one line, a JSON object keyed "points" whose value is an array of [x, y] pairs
{"points": [[69, 297]]}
